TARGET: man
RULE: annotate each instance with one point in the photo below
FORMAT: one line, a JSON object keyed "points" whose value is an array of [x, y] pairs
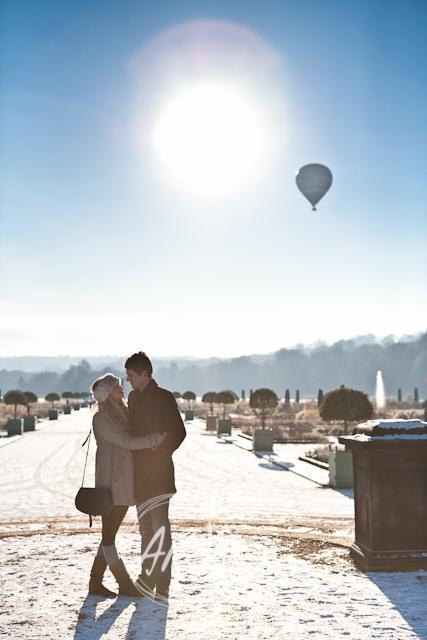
{"points": [[152, 410]]}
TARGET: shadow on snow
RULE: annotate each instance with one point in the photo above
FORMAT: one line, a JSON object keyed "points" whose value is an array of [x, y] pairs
{"points": [[148, 621]]}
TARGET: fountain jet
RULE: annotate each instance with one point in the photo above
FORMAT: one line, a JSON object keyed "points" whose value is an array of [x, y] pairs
{"points": [[379, 391]]}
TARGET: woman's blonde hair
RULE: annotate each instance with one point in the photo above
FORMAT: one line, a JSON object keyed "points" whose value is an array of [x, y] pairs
{"points": [[116, 413]]}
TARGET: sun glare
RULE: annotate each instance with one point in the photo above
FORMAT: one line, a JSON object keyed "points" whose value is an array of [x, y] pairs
{"points": [[213, 139]]}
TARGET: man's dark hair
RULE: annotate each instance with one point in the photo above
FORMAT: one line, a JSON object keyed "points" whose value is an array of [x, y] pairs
{"points": [[139, 362]]}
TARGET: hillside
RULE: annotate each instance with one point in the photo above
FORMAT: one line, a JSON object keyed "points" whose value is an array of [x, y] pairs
{"points": [[350, 362]]}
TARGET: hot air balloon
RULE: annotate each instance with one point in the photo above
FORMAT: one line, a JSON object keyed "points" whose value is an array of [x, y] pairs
{"points": [[313, 180]]}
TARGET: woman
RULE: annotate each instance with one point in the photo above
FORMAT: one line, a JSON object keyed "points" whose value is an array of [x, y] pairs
{"points": [[114, 469]]}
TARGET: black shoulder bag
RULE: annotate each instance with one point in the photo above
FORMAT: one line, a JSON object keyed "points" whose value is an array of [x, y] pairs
{"points": [[93, 501]]}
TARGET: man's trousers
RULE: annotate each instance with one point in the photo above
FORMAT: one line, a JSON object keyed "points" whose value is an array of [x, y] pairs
{"points": [[156, 545]]}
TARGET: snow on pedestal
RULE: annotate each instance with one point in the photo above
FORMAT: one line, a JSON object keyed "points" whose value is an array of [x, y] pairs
{"points": [[391, 428]]}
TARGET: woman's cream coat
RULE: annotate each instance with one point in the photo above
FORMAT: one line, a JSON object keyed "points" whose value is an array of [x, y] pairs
{"points": [[114, 459]]}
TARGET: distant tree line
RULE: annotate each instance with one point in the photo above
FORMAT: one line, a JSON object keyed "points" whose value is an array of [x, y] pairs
{"points": [[78, 378], [347, 362], [403, 364]]}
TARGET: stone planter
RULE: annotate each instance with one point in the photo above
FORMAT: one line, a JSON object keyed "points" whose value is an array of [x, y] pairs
{"points": [[53, 414], [224, 426], [85, 404], [189, 415], [76, 406], [340, 469], [15, 427], [67, 410], [30, 423], [390, 497], [212, 423], [263, 440]]}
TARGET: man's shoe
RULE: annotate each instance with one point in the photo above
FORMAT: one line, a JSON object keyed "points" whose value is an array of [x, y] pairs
{"points": [[96, 574]]}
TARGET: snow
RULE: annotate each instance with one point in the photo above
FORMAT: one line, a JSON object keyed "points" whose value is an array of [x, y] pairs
{"points": [[225, 586], [286, 456], [394, 424], [398, 426], [214, 478], [363, 437], [259, 552]]}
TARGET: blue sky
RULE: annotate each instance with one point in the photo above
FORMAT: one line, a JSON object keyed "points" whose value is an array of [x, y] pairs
{"points": [[101, 254]]}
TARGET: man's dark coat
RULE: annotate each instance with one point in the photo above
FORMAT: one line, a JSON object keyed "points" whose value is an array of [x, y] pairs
{"points": [[155, 410]]}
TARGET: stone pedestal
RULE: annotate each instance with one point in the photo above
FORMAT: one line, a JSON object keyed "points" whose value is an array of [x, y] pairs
{"points": [[15, 427], [224, 426], [189, 415], [30, 423], [212, 423], [263, 440], [390, 498], [340, 469]]}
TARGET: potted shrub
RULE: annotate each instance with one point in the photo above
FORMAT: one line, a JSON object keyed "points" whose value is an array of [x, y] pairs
{"points": [[210, 398], [189, 396], [348, 405], [85, 396], [29, 420], [66, 396], [76, 396], [225, 398], [14, 425], [53, 413], [263, 402]]}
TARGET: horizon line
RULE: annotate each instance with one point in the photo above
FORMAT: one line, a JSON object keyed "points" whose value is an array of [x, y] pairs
{"points": [[374, 339]]}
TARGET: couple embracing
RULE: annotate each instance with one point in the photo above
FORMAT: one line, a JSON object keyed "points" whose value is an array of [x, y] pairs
{"points": [[134, 459]]}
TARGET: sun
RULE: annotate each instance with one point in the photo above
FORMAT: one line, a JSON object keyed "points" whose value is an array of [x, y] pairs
{"points": [[212, 139]]}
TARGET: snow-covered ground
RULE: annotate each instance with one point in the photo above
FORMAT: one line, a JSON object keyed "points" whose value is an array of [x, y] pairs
{"points": [[259, 552], [214, 479]]}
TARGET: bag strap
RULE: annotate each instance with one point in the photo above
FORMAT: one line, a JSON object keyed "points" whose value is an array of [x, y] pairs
{"points": [[87, 453]]}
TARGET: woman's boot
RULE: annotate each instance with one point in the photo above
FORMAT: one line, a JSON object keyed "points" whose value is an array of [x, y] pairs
{"points": [[96, 574], [126, 586]]}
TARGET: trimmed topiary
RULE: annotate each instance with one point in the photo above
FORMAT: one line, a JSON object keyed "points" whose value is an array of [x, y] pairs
{"points": [[226, 397], [210, 398], [31, 399], [348, 405], [263, 401], [52, 397], [15, 397]]}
